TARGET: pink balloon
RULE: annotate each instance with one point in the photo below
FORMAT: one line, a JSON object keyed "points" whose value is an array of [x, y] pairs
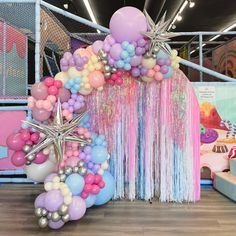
{"points": [[95, 189], [25, 135], [158, 76], [40, 114], [127, 24], [96, 79], [39, 91], [53, 90], [18, 158], [40, 158], [49, 81], [115, 51], [15, 142], [90, 50], [97, 45], [35, 137], [77, 208], [72, 161], [64, 94]]}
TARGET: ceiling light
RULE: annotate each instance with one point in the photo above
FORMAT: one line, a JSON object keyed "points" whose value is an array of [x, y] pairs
{"points": [[66, 5], [179, 18], [191, 4], [90, 12]]}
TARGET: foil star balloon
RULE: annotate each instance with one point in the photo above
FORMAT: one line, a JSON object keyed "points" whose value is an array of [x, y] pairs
{"points": [[57, 133], [158, 34]]}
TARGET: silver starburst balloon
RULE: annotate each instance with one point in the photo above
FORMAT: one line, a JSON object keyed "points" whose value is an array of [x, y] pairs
{"points": [[57, 133], [158, 34]]}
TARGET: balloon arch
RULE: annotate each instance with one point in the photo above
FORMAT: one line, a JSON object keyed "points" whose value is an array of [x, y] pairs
{"points": [[138, 98]]}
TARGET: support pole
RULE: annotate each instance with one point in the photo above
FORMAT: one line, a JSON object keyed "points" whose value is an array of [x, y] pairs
{"points": [[200, 56], [37, 41]]}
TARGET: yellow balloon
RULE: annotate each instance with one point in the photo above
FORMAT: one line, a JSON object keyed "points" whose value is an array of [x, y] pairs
{"points": [[73, 72], [147, 79], [94, 59], [87, 86], [148, 62], [85, 72], [174, 53], [48, 186], [62, 76], [91, 68], [98, 66], [85, 92]]}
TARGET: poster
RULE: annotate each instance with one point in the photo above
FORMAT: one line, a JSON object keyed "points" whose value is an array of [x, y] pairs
{"points": [[217, 103]]}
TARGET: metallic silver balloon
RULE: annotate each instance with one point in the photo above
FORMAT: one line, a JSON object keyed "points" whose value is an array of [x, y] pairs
{"points": [[62, 178], [61, 172], [38, 212], [82, 170], [81, 144], [113, 70], [68, 170], [31, 157], [107, 68], [107, 75], [49, 215], [26, 148], [44, 212], [154, 56], [81, 164], [156, 50], [147, 55], [43, 222], [104, 61], [75, 169], [63, 210], [65, 218], [55, 216], [28, 163]]}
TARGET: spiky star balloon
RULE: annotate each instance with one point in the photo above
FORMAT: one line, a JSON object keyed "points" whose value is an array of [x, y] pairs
{"points": [[158, 34], [57, 133]]}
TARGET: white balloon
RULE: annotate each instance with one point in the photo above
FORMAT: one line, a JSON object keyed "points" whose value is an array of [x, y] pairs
{"points": [[38, 172]]}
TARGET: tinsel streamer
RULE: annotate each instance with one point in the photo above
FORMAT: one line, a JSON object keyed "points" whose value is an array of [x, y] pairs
{"points": [[153, 137]]}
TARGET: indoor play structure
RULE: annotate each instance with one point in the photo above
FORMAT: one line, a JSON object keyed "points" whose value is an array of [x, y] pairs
{"points": [[140, 136]]}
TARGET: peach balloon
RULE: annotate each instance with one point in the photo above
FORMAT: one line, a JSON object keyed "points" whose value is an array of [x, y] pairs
{"points": [[151, 73], [158, 76], [96, 79], [90, 50], [83, 52]]}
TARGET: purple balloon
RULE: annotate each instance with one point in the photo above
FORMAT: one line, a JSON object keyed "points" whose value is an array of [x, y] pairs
{"points": [[106, 47], [144, 71], [161, 62], [50, 177], [164, 69], [53, 200], [127, 24], [110, 39], [115, 51], [39, 201], [139, 51], [77, 208], [71, 62], [135, 60], [168, 62], [135, 72], [55, 225], [64, 68], [63, 62], [67, 55], [141, 42], [97, 45]]}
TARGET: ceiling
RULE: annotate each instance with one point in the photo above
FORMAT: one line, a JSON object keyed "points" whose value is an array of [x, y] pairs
{"points": [[207, 15]]}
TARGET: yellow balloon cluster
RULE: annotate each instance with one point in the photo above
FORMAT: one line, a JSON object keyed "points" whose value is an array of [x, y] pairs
{"points": [[55, 184], [175, 59]]}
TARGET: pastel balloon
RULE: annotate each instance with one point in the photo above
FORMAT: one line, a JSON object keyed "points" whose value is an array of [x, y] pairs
{"points": [[115, 51], [99, 154], [136, 60], [55, 225], [77, 208], [90, 50], [96, 79], [75, 183], [64, 94], [108, 191], [40, 114], [18, 158], [39, 91], [62, 76], [39, 172], [148, 63], [72, 161], [15, 142], [50, 177], [147, 79], [73, 73], [39, 201], [127, 24], [169, 74], [97, 45], [83, 52], [53, 200], [90, 200]]}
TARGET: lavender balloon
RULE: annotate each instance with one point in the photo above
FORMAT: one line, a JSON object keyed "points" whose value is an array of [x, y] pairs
{"points": [[115, 51], [77, 208], [55, 225], [53, 200], [127, 23], [136, 60], [40, 200], [164, 69], [97, 45]]}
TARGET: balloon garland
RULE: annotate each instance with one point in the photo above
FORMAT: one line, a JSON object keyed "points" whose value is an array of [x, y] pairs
{"points": [[56, 146]]}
